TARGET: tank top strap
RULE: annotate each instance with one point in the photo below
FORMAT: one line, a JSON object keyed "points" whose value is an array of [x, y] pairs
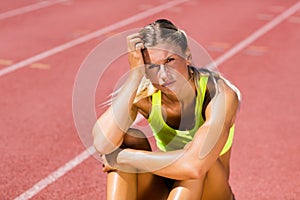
{"points": [[156, 98], [202, 86]]}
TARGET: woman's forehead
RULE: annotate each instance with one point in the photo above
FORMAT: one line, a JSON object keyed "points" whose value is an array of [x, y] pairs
{"points": [[162, 52]]}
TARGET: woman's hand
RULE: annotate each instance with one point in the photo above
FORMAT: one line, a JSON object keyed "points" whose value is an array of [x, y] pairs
{"points": [[106, 166], [136, 49], [109, 161]]}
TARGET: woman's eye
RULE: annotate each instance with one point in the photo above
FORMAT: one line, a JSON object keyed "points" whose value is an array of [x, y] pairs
{"points": [[152, 66], [169, 60]]}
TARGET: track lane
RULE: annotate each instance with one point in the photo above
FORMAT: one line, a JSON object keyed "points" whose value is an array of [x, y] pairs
{"points": [[39, 96], [59, 186], [14, 4], [29, 8], [69, 193], [268, 119], [41, 29]]}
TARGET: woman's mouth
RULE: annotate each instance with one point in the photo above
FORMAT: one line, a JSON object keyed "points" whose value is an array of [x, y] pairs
{"points": [[168, 83]]}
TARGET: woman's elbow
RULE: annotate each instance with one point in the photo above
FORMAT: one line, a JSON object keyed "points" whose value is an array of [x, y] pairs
{"points": [[194, 171], [98, 147], [103, 142], [99, 141], [197, 174], [103, 146]]}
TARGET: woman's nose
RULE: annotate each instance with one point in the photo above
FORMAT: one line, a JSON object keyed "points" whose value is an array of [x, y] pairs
{"points": [[162, 73]]}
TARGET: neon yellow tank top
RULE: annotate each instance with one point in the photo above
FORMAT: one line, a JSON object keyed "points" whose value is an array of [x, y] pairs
{"points": [[167, 138]]}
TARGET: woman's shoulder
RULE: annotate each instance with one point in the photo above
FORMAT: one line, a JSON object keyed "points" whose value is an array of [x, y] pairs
{"points": [[144, 106], [215, 77]]}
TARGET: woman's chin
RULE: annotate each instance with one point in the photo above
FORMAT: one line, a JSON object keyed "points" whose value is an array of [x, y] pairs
{"points": [[170, 90]]}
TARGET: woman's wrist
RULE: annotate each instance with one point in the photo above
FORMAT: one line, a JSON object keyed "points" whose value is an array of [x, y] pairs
{"points": [[123, 161], [125, 156], [137, 73]]}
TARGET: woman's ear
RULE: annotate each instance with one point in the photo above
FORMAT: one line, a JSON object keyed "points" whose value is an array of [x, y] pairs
{"points": [[188, 56]]}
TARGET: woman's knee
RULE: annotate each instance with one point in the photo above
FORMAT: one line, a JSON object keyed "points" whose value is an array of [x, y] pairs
{"points": [[136, 139], [216, 183]]}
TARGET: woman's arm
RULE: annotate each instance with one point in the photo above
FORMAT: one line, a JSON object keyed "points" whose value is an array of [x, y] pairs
{"points": [[109, 129], [195, 160], [111, 126]]}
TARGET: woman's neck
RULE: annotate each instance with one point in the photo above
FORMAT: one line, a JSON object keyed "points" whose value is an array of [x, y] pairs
{"points": [[186, 96]]}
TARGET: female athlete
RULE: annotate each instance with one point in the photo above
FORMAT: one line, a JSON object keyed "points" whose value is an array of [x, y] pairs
{"points": [[191, 112]]}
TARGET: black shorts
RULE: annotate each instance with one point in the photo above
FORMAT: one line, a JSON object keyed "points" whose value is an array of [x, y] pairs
{"points": [[169, 183]]}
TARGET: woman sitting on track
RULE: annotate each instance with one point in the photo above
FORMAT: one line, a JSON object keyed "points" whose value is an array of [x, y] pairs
{"points": [[191, 113]]}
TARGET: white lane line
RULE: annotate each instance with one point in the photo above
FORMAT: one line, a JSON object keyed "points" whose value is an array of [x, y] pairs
{"points": [[254, 36], [62, 171], [85, 154], [29, 8], [90, 36], [91, 150], [56, 174]]}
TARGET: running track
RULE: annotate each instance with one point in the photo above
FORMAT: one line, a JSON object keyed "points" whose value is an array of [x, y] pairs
{"points": [[37, 132]]}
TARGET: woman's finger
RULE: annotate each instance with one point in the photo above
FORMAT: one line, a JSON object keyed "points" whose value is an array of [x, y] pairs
{"points": [[132, 36], [107, 168], [135, 44]]}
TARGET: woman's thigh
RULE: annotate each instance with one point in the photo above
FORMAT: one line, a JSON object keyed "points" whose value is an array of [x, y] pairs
{"points": [[143, 186], [151, 187], [213, 186], [216, 185], [187, 190]]}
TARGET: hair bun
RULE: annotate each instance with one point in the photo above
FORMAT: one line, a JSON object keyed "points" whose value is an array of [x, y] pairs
{"points": [[164, 23]]}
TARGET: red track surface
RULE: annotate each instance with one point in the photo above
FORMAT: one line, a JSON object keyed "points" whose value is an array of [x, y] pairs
{"points": [[37, 132]]}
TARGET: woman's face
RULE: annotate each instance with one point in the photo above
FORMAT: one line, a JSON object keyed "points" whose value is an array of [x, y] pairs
{"points": [[167, 68]]}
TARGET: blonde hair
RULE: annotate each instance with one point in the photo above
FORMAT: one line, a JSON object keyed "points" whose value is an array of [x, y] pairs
{"points": [[164, 31]]}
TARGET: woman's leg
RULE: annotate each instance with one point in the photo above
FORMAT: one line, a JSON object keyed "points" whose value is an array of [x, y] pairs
{"points": [[213, 186], [151, 187], [187, 190], [121, 185], [216, 185], [125, 186]]}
